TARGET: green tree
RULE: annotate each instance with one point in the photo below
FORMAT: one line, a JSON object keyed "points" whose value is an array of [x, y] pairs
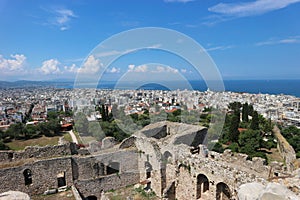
{"points": [[218, 148], [250, 141], [255, 121], [245, 112], [250, 109], [52, 115], [3, 146], [233, 134], [96, 131], [236, 107], [15, 131], [81, 123], [30, 131]]}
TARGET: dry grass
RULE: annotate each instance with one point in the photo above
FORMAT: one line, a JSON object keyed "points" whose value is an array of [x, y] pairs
{"points": [[16, 163], [42, 141], [87, 139], [128, 191], [274, 155], [67, 195], [67, 137]]}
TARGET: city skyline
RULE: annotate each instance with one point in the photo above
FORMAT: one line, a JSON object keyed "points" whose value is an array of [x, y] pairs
{"points": [[246, 39]]}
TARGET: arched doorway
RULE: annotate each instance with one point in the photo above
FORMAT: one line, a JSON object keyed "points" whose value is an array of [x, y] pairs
{"points": [[165, 159], [223, 191], [202, 185], [27, 176], [92, 197]]}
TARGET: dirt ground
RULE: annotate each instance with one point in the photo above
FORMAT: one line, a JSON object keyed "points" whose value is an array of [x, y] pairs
{"points": [[67, 195]]}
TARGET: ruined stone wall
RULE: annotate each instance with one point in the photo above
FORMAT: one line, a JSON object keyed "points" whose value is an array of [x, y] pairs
{"points": [[285, 149], [38, 152], [94, 166], [149, 163], [224, 169], [114, 181], [43, 174]]}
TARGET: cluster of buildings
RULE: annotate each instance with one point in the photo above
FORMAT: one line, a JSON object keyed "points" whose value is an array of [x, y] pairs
{"points": [[30, 104], [35, 103]]}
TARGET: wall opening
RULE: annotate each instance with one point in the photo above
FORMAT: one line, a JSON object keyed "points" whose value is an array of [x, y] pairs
{"points": [[148, 168], [223, 191], [91, 198], [113, 168], [166, 158], [202, 185], [61, 179], [27, 176]]}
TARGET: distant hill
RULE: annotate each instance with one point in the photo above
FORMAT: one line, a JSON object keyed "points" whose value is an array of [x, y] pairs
{"points": [[25, 83]]}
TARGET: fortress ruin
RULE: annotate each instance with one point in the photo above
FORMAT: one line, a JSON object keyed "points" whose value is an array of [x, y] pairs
{"points": [[167, 157]]}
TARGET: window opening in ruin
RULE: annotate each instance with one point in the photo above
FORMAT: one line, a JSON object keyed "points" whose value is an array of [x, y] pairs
{"points": [[202, 185], [113, 168], [148, 174], [91, 197], [10, 156], [148, 168], [61, 179], [223, 192], [27, 176]]}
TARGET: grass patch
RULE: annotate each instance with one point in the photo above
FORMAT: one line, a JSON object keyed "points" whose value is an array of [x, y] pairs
{"points": [[274, 156], [87, 139], [67, 137], [78, 137], [42, 141]]}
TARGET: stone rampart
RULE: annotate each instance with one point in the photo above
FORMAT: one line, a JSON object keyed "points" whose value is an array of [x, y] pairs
{"points": [[285, 149], [93, 187], [39, 152], [37, 177]]}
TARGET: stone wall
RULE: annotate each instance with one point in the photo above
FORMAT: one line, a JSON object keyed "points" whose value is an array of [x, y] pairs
{"points": [[93, 187], [285, 149], [95, 166], [38, 152], [43, 176]]}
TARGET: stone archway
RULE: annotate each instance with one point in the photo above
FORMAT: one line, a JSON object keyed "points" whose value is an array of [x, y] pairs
{"points": [[163, 170], [223, 192], [202, 185], [27, 176]]}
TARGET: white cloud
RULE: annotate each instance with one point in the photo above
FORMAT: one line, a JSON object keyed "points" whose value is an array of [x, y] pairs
{"points": [[289, 40], [72, 68], [60, 18], [131, 67], [167, 69], [108, 53], [64, 16], [180, 1], [91, 65], [16, 62], [113, 70], [152, 69], [219, 48], [50, 67], [183, 70], [141, 68], [257, 7]]}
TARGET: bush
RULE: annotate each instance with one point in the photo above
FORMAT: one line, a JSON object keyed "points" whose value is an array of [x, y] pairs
{"points": [[234, 147], [218, 148], [3, 146]]}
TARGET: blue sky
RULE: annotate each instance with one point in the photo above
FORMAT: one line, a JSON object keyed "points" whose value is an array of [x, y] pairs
{"points": [[45, 40]]}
